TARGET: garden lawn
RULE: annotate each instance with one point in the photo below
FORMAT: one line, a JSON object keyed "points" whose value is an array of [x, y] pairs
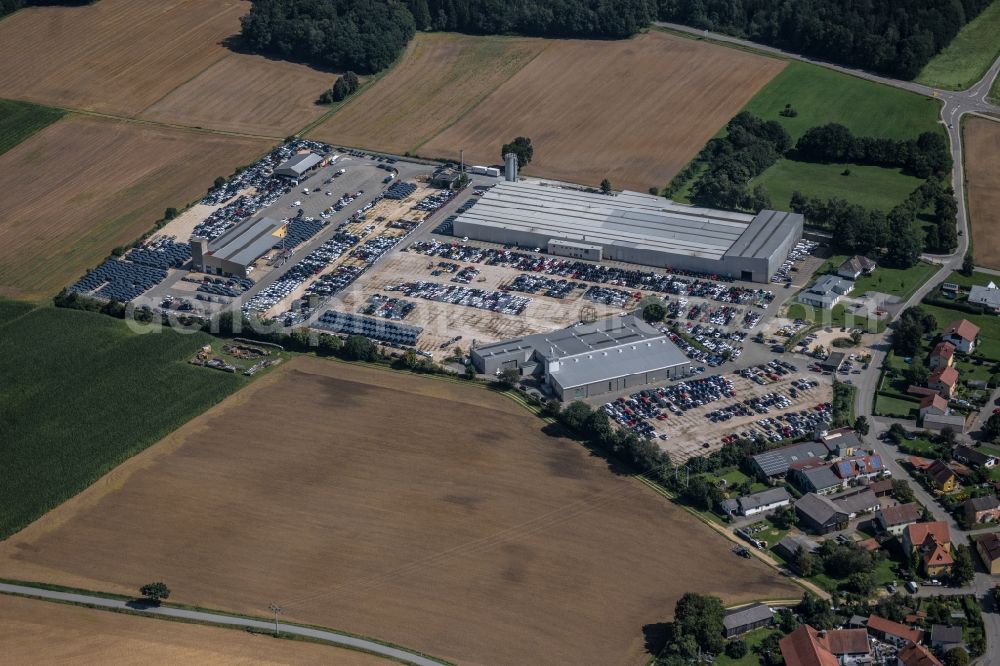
{"points": [[869, 186], [821, 96], [753, 639], [977, 278], [897, 407], [901, 282], [989, 327], [834, 318], [80, 394], [19, 120], [965, 60]]}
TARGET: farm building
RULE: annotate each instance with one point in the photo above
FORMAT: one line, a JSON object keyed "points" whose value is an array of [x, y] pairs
{"points": [[589, 359], [766, 500], [741, 620], [634, 228], [235, 251], [297, 166]]}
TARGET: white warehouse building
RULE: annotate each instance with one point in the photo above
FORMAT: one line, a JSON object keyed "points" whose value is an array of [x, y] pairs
{"points": [[634, 228]]}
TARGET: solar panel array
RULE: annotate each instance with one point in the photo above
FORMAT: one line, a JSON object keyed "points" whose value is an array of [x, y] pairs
{"points": [[369, 327], [119, 280], [300, 229], [400, 191], [163, 255]]}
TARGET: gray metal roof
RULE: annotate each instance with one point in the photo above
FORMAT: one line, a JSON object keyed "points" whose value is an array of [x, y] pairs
{"points": [[818, 508], [247, 242], [299, 164], [854, 503], [763, 498], [768, 230], [629, 219], [985, 296], [822, 478], [621, 361], [747, 615], [777, 461]]}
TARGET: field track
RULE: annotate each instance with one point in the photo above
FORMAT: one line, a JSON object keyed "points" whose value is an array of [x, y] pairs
{"points": [[33, 631], [982, 173], [84, 185], [396, 506]]}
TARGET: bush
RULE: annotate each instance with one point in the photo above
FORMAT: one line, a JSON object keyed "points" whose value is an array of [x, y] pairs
{"points": [[736, 649]]}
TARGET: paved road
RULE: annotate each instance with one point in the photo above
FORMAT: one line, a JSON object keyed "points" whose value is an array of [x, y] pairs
{"points": [[215, 618]]}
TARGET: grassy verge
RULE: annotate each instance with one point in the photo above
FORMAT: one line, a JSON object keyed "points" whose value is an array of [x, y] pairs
{"points": [[869, 186], [965, 60], [19, 120], [81, 394]]}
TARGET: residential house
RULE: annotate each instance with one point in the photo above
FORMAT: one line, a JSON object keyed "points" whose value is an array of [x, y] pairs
{"points": [[942, 356], [826, 292], [988, 297], [849, 646], [819, 514], [855, 267], [859, 467], [972, 456], [815, 476], [932, 544], [762, 502], [778, 461], [946, 638], [988, 547], [916, 655], [962, 333], [984, 509], [741, 620], [933, 404], [893, 632], [944, 381], [894, 519], [881, 487], [942, 476], [806, 647]]}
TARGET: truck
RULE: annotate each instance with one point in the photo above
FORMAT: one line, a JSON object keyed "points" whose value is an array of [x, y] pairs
{"points": [[481, 170], [492, 171]]}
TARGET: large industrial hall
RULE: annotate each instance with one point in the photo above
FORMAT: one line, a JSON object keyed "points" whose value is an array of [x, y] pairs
{"points": [[634, 228], [589, 359]]}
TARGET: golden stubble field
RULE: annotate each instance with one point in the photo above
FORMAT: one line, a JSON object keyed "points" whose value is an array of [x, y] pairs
{"points": [[634, 111], [982, 173], [426, 513], [439, 78], [40, 632], [85, 185]]}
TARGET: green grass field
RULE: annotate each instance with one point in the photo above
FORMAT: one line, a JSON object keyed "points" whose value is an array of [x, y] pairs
{"points": [[977, 278], [902, 282], [19, 120], [888, 406], [868, 186], [834, 318], [989, 327], [965, 61], [821, 96], [80, 394]]}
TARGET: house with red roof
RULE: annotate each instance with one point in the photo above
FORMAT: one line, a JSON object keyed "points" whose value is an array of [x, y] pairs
{"points": [[962, 333], [932, 544], [944, 381], [942, 356], [916, 655], [888, 631], [934, 405]]}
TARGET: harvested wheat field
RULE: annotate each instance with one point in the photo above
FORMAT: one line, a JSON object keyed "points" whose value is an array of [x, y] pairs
{"points": [[40, 632], [426, 513], [440, 77], [982, 173], [661, 98], [247, 93], [85, 185], [116, 56]]}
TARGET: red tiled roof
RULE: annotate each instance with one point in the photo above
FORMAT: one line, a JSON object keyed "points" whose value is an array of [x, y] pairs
{"points": [[917, 655], [876, 623], [920, 463], [938, 530], [939, 555], [803, 647], [935, 401], [901, 514], [962, 328], [943, 349], [947, 375]]}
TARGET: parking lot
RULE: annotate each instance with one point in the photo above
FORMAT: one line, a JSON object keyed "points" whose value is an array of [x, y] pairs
{"points": [[705, 411]]}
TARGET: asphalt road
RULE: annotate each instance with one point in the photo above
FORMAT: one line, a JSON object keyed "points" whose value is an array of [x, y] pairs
{"points": [[346, 640]]}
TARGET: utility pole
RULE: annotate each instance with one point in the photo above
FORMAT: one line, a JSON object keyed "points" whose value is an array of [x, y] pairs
{"points": [[276, 609]]}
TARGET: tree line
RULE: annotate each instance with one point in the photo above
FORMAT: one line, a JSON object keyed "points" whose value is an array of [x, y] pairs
{"points": [[927, 155], [857, 230], [894, 37], [368, 35], [10, 6]]}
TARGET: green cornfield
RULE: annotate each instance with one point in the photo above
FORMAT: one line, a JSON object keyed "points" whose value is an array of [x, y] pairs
{"points": [[19, 120], [80, 393]]}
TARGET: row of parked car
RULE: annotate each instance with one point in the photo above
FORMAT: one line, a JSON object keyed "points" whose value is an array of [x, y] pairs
{"points": [[551, 287], [494, 301], [800, 252]]}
